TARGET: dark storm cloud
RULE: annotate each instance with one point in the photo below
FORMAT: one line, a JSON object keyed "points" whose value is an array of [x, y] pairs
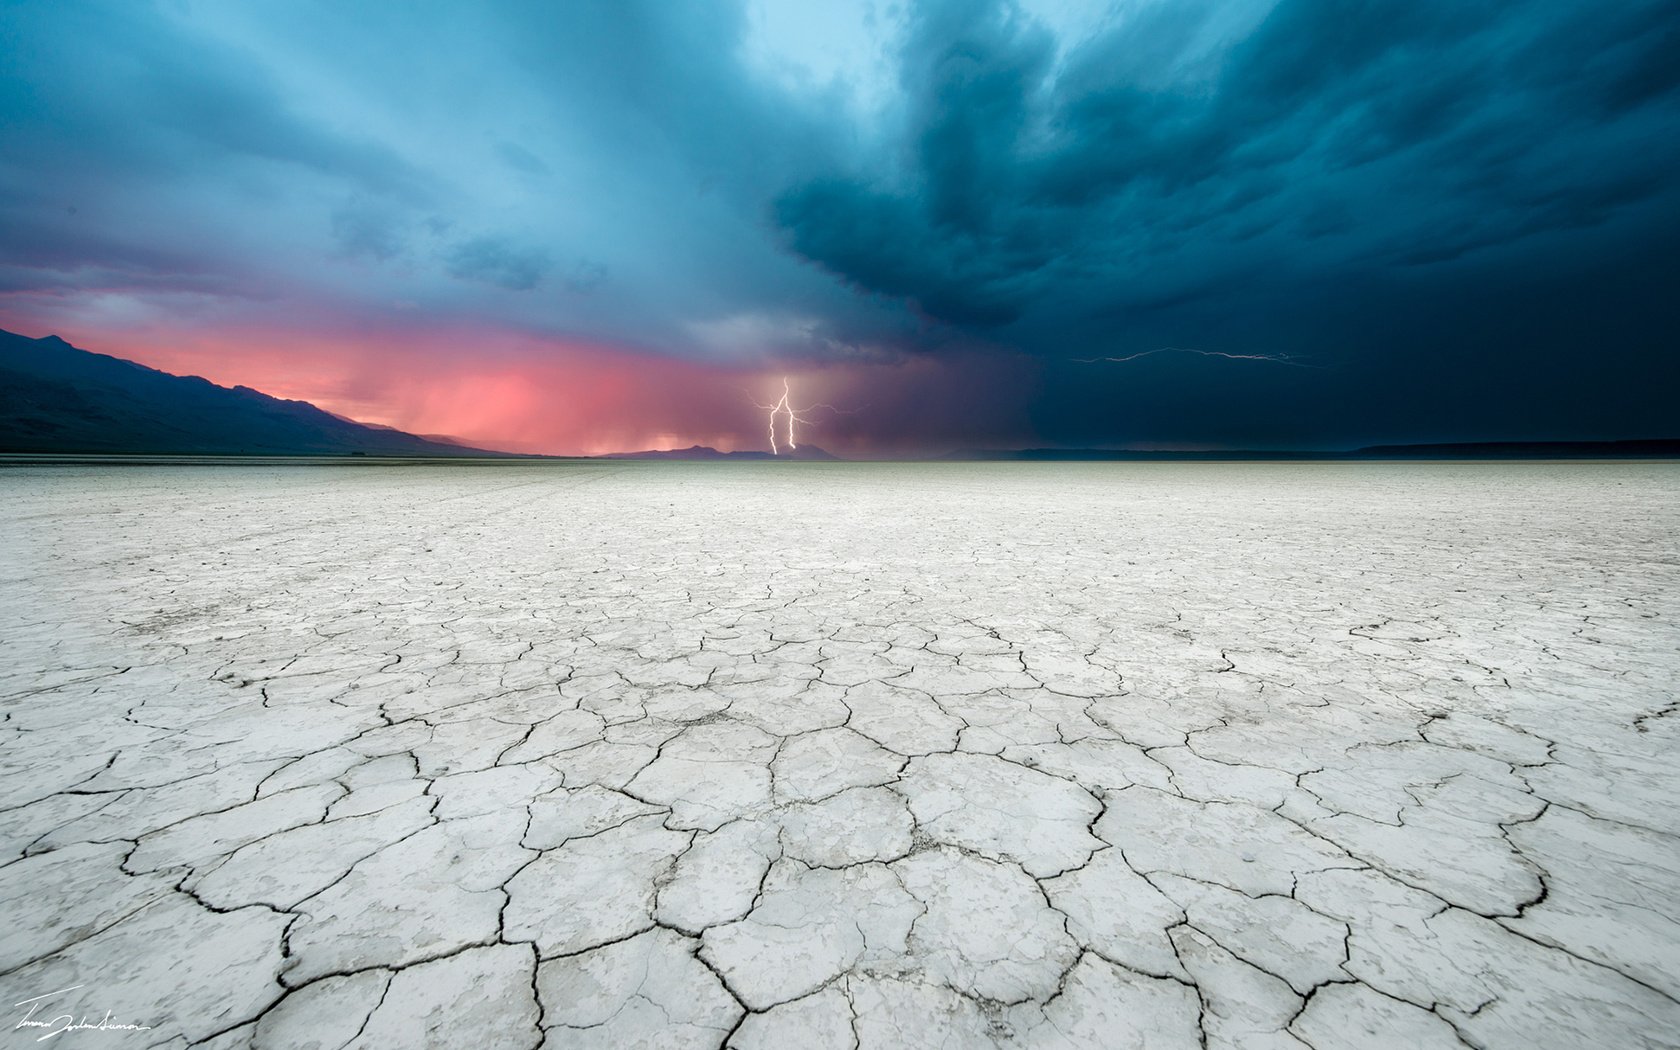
{"points": [[1388, 131]]}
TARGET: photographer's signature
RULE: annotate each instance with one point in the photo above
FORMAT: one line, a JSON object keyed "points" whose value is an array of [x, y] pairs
{"points": [[62, 1023]]}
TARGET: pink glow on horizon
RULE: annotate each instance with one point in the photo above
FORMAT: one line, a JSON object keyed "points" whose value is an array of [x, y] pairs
{"points": [[512, 392], [519, 392]]}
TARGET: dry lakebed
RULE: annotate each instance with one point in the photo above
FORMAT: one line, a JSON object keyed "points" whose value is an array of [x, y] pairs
{"points": [[604, 754]]}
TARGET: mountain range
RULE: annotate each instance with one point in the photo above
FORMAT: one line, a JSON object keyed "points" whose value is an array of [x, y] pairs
{"points": [[706, 452], [56, 398], [1647, 448]]}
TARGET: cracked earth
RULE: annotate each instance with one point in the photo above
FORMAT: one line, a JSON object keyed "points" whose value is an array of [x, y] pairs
{"points": [[767, 755]]}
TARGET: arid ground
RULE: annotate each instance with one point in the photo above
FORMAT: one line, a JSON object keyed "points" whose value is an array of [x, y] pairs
{"points": [[803, 755]]}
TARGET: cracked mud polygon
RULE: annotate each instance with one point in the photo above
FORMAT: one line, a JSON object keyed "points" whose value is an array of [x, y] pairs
{"points": [[772, 755]]}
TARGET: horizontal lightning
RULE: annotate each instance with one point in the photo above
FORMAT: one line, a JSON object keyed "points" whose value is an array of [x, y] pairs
{"points": [[1277, 359]]}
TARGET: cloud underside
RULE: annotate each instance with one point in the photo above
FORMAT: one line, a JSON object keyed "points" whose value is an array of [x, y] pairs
{"points": [[1146, 167]]}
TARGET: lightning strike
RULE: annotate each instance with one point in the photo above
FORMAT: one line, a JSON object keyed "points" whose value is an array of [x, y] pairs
{"points": [[784, 407], [795, 416], [1279, 359]]}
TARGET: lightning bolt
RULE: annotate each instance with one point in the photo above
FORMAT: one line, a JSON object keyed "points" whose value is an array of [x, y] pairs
{"points": [[784, 407], [795, 416], [1278, 359]]}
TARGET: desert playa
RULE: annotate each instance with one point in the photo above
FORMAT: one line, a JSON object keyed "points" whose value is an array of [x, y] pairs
{"points": [[767, 755]]}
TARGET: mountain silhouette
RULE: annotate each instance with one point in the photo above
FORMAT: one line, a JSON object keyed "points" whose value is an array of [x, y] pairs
{"points": [[807, 452], [56, 398]]}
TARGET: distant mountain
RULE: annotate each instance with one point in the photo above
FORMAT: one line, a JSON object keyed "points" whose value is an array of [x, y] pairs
{"points": [[1654, 448], [1085, 455], [1649, 448], [704, 452], [57, 398]]}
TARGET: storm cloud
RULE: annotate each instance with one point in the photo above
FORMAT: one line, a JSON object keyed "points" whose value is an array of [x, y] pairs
{"points": [[1458, 215]]}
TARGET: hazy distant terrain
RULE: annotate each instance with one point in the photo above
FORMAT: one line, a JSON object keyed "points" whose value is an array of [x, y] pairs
{"points": [[57, 399], [1024, 755], [1647, 448], [706, 452], [60, 399]]}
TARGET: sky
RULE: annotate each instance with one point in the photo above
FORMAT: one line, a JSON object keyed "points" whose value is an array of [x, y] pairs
{"points": [[600, 226]]}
